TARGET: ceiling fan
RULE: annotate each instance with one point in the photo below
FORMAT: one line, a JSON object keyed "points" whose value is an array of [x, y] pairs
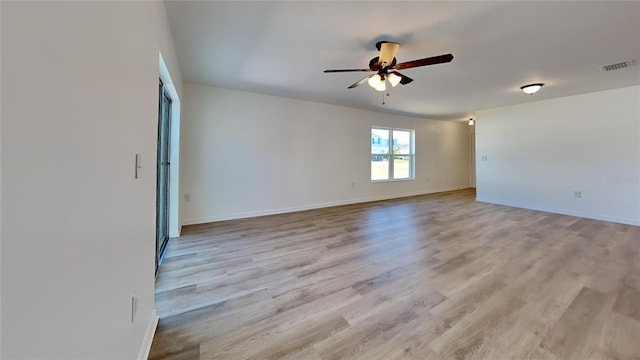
{"points": [[385, 66]]}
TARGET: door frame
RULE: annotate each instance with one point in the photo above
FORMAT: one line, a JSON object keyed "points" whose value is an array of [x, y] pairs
{"points": [[174, 149], [163, 171]]}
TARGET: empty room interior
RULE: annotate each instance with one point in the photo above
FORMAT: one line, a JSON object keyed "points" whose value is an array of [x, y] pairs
{"points": [[320, 180]]}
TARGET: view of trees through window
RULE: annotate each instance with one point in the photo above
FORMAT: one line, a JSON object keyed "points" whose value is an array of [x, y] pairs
{"points": [[392, 154]]}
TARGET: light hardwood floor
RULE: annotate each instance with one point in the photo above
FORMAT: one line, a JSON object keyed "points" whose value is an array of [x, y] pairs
{"points": [[428, 277]]}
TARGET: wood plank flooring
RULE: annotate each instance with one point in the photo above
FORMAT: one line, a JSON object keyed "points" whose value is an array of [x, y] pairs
{"points": [[427, 277]]}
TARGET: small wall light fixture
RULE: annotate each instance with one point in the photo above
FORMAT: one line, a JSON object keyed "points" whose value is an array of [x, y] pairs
{"points": [[470, 121], [531, 88]]}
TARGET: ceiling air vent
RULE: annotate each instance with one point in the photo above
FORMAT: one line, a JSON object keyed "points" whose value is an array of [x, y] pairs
{"points": [[618, 66]]}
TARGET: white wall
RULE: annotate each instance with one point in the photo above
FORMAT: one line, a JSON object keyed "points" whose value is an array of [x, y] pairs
{"points": [[79, 96], [539, 153], [247, 154]]}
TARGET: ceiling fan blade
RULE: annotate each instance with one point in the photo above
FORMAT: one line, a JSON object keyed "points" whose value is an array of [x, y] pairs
{"points": [[346, 70], [405, 79], [426, 61], [360, 82], [387, 51]]}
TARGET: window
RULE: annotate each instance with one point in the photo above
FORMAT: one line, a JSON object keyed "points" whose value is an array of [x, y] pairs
{"points": [[392, 154]]}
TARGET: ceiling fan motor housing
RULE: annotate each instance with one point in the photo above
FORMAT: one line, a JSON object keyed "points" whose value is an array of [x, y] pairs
{"points": [[375, 65]]}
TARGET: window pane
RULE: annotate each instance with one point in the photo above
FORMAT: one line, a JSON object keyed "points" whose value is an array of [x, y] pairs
{"points": [[401, 167], [379, 141], [379, 167], [401, 142]]}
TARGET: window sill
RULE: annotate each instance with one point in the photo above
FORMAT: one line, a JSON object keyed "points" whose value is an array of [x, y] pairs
{"points": [[391, 180]]}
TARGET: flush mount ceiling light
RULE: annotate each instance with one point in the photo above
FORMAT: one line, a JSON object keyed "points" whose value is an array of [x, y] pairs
{"points": [[470, 121], [531, 88]]}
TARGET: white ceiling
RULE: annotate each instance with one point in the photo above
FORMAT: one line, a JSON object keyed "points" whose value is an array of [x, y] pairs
{"points": [[282, 48]]}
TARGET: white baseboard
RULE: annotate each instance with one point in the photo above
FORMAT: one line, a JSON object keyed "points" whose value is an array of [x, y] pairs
{"points": [[250, 214], [561, 211], [148, 336]]}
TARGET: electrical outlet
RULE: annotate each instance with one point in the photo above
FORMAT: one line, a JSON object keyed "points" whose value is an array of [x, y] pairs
{"points": [[577, 194], [187, 197], [484, 157], [353, 184]]}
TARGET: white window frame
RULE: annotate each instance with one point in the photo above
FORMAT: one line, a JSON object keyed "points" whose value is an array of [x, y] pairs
{"points": [[390, 168]]}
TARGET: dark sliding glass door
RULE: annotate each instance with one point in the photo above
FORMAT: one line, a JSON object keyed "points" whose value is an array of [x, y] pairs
{"points": [[162, 178]]}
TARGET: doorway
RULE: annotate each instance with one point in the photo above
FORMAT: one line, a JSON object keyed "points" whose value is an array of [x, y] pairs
{"points": [[163, 172]]}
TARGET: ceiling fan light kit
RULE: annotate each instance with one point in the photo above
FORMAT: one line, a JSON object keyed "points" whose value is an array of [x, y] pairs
{"points": [[377, 82], [531, 88], [385, 65], [394, 79]]}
